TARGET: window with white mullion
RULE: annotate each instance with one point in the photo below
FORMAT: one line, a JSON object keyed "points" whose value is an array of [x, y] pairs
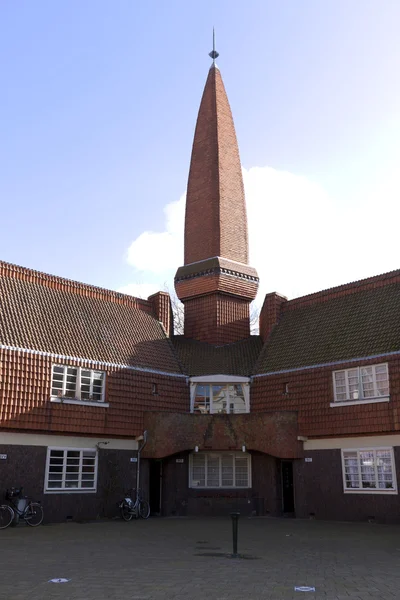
{"points": [[369, 470], [219, 470], [70, 470], [64, 471], [361, 383], [77, 383], [360, 481]]}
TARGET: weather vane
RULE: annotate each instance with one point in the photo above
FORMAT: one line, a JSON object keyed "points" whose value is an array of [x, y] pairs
{"points": [[214, 54]]}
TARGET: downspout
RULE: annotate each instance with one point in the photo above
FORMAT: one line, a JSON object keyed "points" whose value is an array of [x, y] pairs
{"points": [[144, 442]]}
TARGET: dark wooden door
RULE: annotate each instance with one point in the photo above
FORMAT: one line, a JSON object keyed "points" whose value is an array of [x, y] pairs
{"points": [[287, 487], [155, 487]]}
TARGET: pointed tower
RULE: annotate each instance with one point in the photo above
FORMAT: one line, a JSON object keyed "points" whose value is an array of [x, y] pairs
{"points": [[216, 284]]}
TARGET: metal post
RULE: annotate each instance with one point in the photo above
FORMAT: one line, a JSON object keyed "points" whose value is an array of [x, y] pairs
{"points": [[138, 462], [235, 518]]}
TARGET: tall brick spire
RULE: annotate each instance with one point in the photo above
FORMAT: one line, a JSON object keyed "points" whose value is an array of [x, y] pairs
{"points": [[216, 284], [216, 221]]}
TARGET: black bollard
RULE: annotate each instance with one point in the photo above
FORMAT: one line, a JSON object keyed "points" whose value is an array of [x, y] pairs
{"points": [[235, 518]]}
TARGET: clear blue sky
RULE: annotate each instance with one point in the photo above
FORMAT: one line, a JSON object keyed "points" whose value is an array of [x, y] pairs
{"points": [[99, 100]]}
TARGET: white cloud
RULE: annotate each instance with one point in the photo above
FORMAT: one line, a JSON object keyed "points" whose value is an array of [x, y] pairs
{"points": [[160, 252], [301, 239]]}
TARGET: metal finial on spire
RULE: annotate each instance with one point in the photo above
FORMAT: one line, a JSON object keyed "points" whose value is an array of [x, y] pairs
{"points": [[214, 54]]}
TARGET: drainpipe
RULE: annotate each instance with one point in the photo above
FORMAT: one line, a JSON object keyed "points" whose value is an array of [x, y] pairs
{"points": [[144, 442]]}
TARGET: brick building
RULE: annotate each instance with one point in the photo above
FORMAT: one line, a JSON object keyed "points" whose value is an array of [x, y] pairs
{"points": [[300, 420]]}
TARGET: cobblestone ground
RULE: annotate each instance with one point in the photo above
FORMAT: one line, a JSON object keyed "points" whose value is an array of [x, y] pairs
{"points": [[181, 559]]}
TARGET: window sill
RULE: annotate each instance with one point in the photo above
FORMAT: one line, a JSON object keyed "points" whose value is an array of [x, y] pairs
{"points": [[217, 489], [70, 491], [354, 402], [221, 414], [81, 402], [372, 491]]}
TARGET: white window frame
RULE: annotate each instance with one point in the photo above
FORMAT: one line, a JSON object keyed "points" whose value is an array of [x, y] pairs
{"points": [[361, 399], [389, 491], [220, 487], [211, 380], [65, 490], [77, 400]]}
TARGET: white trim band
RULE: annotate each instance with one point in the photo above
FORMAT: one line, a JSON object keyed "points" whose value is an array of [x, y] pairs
{"points": [[80, 402], [64, 441], [370, 441], [353, 402]]}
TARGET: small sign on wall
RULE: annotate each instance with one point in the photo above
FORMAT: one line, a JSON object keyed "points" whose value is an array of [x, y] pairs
{"points": [[3, 456], [180, 460], [308, 459], [133, 458]]}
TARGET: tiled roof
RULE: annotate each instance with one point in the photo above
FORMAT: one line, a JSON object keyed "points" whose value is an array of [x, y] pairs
{"points": [[360, 324], [200, 358], [41, 312]]}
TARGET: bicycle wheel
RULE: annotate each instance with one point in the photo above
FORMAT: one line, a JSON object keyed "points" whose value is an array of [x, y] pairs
{"points": [[144, 509], [126, 512], [33, 514], [6, 516]]}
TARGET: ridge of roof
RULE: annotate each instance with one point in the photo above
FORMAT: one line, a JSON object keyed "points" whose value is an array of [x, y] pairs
{"points": [[345, 289], [69, 285]]}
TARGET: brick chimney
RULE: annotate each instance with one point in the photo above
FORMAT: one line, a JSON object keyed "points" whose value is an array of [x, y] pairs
{"points": [[162, 309], [270, 313], [216, 284]]}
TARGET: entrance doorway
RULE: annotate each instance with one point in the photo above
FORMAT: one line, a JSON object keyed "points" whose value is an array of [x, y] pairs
{"points": [[287, 488], [155, 487]]}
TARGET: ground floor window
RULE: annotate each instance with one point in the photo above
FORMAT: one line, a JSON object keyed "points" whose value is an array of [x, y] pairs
{"points": [[71, 469], [369, 470], [220, 470]]}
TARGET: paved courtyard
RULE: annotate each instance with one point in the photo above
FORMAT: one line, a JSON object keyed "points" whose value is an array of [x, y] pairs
{"points": [[187, 559]]}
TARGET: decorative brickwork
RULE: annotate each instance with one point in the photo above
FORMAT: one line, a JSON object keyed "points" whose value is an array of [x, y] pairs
{"points": [[273, 433], [217, 319], [216, 284], [216, 222]]}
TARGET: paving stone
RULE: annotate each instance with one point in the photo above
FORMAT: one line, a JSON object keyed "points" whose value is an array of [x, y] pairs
{"points": [[159, 559]]}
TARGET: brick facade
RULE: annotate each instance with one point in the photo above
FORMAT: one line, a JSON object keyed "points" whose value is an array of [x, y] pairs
{"points": [[26, 389], [310, 392]]}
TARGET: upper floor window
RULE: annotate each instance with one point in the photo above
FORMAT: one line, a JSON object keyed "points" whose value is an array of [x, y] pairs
{"points": [[369, 470], [361, 383], [77, 383], [220, 394]]}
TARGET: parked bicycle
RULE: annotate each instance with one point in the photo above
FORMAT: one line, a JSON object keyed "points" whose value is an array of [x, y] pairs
{"points": [[137, 508], [30, 512]]}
